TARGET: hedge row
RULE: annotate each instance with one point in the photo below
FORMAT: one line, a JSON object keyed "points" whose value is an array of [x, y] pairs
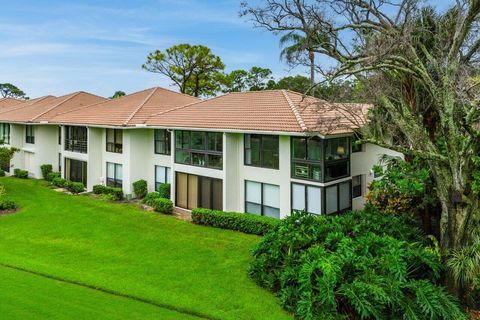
{"points": [[159, 203], [116, 193], [73, 187], [244, 222], [19, 173]]}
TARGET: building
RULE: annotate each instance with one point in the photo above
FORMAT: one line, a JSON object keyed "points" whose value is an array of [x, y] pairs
{"points": [[264, 152]]}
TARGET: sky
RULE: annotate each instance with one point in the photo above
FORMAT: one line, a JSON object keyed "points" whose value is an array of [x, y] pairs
{"points": [[57, 47]]}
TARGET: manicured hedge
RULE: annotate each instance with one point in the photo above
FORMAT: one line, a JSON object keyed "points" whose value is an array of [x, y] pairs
{"points": [[162, 205], [6, 204], [19, 173], [164, 190], [140, 188], [74, 187], [244, 222], [149, 198], [46, 170], [117, 193], [53, 175], [2, 173], [59, 182]]}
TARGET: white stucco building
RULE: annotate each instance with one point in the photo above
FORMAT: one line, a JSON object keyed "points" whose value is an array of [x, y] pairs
{"points": [[264, 152]]}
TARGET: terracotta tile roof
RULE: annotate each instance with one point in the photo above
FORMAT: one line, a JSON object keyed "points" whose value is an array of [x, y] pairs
{"points": [[265, 111], [43, 109], [128, 110], [9, 102]]}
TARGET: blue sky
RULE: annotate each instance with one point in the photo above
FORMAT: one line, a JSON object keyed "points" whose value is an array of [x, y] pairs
{"points": [[57, 47]]}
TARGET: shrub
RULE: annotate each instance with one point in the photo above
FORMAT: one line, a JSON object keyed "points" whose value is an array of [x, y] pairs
{"points": [[360, 265], [163, 205], [140, 188], [46, 169], [117, 193], [59, 182], [244, 222], [2, 173], [74, 187], [164, 190], [6, 204], [149, 198], [19, 173], [53, 175]]}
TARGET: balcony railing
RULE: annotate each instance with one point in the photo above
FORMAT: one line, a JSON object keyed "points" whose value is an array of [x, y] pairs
{"points": [[76, 145]]}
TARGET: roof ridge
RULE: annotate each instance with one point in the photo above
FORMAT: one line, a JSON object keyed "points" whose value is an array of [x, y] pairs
{"points": [[298, 117], [181, 93], [82, 107], [25, 104], [70, 96], [130, 117]]}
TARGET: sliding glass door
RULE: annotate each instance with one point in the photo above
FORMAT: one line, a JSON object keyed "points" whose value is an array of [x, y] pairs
{"points": [[76, 170], [194, 191]]}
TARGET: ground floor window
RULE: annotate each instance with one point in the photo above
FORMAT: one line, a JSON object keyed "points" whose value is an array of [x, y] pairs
{"points": [[320, 200], [114, 175], [5, 133], [162, 175], [192, 191], [59, 162], [306, 198], [76, 170], [262, 199], [338, 197], [357, 186]]}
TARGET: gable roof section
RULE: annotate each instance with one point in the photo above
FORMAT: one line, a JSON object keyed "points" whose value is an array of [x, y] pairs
{"points": [[263, 111], [128, 110], [9, 102], [9, 106], [43, 109]]}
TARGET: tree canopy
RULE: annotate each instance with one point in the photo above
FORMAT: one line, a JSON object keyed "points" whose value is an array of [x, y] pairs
{"points": [[118, 94], [8, 90]]}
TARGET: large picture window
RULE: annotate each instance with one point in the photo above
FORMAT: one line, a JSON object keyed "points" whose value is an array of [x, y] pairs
{"points": [[306, 198], [162, 175], [307, 158], [261, 151], [199, 148], [114, 175], [262, 199], [337, 158], [115, 140], [5, 133], [76, 139], [162, 141], [76, 170], [30, 134]]}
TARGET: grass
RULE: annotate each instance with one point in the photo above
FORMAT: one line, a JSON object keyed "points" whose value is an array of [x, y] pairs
{"points": [[192, 269]]}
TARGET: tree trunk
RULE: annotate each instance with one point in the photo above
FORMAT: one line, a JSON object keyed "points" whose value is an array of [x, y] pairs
{"points": [[311, 56]]}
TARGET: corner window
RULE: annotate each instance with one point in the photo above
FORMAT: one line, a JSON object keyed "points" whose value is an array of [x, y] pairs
{"points": [[306, 198], [30, 134], [262, 199], [199, 148], [162, 141], [307, 158], [162, 175], [114, 175], [261, 151], [357, 186], [115, 140], [337, 158], [5, 133], [338, 198]]}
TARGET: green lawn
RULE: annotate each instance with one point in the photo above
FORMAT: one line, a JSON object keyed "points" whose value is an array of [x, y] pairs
{"points": [[118, 247]]}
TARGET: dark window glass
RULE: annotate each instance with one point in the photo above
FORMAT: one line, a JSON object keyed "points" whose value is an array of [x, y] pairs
{"points": [[215, 141], [356, 186], [337, 149], [115, 140], [182, 139], [194, 191], [199, 148], [162, 141], [356, 145], [76, 139], [59, 135], [198, 140], [30, 134], [76, 170], [307, 158], [5, 133], [336, 170], [299, 148], [261, 151]]}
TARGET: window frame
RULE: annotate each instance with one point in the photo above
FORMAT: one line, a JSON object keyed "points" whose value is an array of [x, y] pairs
{"points": [[306, 186], [30, 134], [74, 143], [5, 132], [205, 152], [306, 161], [166, 141], [361, 178], [262, 205], [115, 178], [261, 150], [166, 171], [115, 146]]}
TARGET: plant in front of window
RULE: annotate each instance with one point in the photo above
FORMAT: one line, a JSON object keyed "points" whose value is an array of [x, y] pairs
{"points": [[6, 155], [46, 170], [140, 189], [164, 190]]}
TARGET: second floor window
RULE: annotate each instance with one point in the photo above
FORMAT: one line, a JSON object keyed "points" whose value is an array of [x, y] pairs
{"points": [[30, 134], [261, 151], [307, 158], [162, 141], [5, 133], [337, 158], [76, 139], [199, 148], [114, 140], [114, 175]]}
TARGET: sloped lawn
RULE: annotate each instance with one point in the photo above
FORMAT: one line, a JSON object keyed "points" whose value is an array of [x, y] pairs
{"points": [[192, 269]]}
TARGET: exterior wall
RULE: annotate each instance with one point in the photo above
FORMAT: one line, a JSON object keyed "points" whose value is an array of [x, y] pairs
{"points": [[362, 163], [95, 146], [17, 140]]}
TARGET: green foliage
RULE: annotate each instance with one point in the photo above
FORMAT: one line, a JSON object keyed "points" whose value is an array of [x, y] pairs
{"points": [[118, 94], [193, 68], [74, 187], [46, 170], [8, 90], [117, 193], [59, 182], [162, 205], [6, 155], [140, 188], [151, 197], [255, 79], [358, 265], [404, 187], [53, 175], [19, 173], [244, 222], [164, 190], [2, 173], [7, 204]]}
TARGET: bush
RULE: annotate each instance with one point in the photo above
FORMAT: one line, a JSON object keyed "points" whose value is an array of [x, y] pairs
{"points": [[116, 193], [140, 188], [46, 169], [19, 173], [149, 198], [163, 205], [6, 204], [53, 175], [74, 187], [244, 222], [2, 173], [360, 265], [59, 182], [164, 190]]}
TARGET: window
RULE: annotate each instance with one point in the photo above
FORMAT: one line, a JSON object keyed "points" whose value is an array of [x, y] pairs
{"points": [[337, 158], [162, 175], [199, 148], [192, 191], [76, 170], [261, 151], [262, 199], [357, 186], [59, 135], [162, 141], [338, 197], [30, 134], [5, 133], [59, 162], [306, 198], [115, 140], [307, 158], [76, 139], [114, 175]]}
